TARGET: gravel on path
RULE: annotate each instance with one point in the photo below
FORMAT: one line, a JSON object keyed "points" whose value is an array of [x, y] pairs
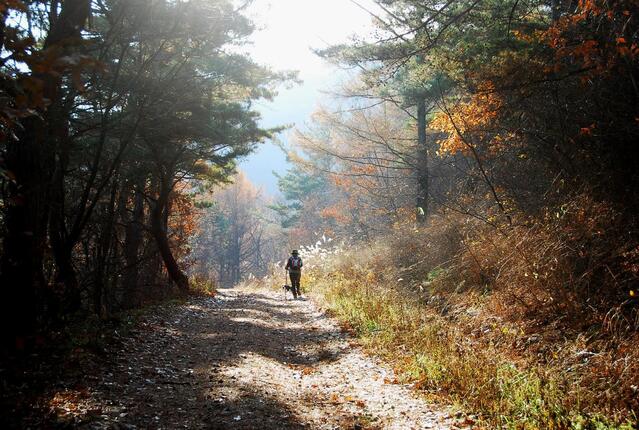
{"points": [[246, 359]]}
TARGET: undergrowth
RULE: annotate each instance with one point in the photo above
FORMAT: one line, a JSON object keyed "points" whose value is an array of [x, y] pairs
{"points": [[94, 333], [202, 286], [514, 327]]}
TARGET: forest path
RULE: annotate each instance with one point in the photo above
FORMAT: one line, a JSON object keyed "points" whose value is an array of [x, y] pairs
{"points": [[244, 360]]}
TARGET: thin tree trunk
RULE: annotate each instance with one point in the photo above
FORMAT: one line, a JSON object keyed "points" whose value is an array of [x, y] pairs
{"points": [[101, 306], [422, 192], [65, 28], [133, 241], [65, 278], [555, 9]]}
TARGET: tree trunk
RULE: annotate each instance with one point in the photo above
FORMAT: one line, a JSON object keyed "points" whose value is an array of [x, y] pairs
{"points": [[101, 305], [65, 277], [31, 159], [133, 241], [555, 6], [422, 179], [22, 279], [160, 234]]}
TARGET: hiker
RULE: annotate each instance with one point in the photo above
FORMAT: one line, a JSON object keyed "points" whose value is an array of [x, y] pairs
{"points": [[294, 267]]}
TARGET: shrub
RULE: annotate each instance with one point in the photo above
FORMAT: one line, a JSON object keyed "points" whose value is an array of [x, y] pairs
{"points": [[202, 286]]}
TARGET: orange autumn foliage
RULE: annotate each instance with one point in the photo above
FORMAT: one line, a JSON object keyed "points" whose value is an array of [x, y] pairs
{"points": [[598, 37], [182, 222], [473, 116], [336, 213]]}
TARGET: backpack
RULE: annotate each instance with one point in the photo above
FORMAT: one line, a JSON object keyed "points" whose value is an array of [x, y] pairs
{"points": [[295, 263]]}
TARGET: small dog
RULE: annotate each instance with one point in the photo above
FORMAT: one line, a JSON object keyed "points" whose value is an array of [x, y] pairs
{"points": [[287, 288]]}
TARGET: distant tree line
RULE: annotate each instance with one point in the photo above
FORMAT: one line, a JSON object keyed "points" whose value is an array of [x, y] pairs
{"points": [[238, 236]]}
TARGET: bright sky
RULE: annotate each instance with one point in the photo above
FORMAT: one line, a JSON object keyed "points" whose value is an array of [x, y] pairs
{"points": [[288, 29]]}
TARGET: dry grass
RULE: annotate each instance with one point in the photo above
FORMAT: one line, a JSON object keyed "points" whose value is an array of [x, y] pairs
{"points": [[202, 286], [533, 327]]}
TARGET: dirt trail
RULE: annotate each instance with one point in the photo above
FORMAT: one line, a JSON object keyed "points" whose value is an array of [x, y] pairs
{"points": [[245, 360]]}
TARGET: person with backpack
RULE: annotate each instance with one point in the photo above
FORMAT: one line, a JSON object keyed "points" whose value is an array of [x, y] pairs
{"points": [[294, 268]]}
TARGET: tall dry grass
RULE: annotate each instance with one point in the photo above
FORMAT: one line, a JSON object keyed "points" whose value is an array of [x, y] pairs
{"points": [[533, 326]]}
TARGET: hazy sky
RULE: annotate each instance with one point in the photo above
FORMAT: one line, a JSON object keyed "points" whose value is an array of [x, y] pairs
{"points": [[288, 29]]}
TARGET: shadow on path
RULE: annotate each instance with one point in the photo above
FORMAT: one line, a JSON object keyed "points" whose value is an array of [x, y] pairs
{"points": [[169, 371]]}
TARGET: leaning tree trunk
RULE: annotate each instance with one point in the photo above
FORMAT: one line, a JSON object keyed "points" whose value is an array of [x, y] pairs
{"points": [[160, 234]]}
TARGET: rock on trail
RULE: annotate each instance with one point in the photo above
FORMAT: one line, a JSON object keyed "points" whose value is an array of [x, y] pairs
{"points": [[244, 360]]}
